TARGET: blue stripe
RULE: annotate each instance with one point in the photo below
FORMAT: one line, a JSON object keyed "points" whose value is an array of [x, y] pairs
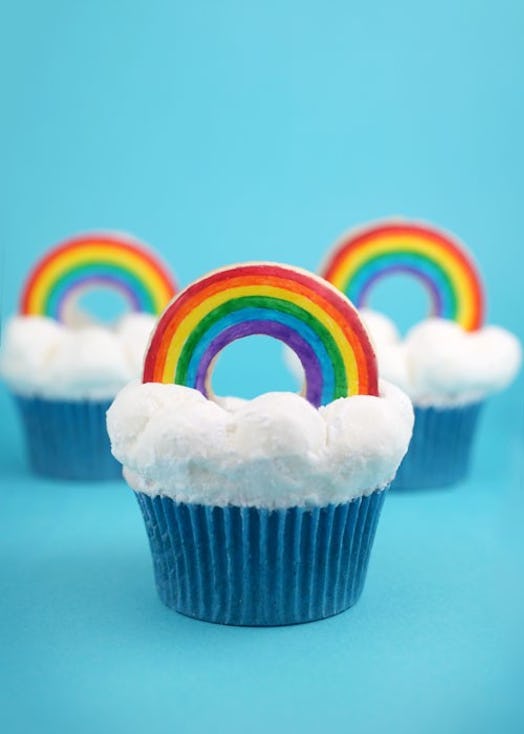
{"points": [[82, 277], [258, 314], [434, 272]]}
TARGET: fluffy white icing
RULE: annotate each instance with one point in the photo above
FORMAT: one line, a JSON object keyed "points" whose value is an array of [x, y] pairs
{"points": [[42, 357], [438, 363], [276, 450]]}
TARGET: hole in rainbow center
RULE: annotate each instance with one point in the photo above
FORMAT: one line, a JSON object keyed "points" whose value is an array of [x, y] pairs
{"points": [[251, 366], [401, 297], [100, 303]]}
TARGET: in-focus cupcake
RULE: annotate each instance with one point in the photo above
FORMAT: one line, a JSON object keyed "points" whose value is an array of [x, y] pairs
{"points": [[260, 512], [448, 363], [62, 366]]}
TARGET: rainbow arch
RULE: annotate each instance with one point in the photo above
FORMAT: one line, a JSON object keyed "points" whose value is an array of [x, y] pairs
{"points": [[448, 272], [112, 260], [296, 307]]}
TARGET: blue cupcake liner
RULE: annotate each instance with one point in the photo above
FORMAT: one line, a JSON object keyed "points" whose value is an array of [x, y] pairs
{"points": [[68, 439], [249, 566], [440, 450]]}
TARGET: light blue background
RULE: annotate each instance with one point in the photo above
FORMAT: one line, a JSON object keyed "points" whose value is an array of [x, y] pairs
{"points": [[226, 131]]}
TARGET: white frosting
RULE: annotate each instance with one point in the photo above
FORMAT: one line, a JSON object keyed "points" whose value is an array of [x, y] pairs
{"points": [[276, 450], [42, 357], [438, 363]]}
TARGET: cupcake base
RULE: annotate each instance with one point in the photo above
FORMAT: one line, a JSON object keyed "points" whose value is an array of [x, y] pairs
{"points": [[68, 439], [439, 454], [248, 566]]}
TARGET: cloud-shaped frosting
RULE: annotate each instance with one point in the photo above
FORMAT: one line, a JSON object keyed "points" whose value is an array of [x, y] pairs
{"points": [[438, 363], [276, 450], [43, 357]]}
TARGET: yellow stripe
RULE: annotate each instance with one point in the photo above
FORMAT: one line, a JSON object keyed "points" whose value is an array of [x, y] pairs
{"points": [[196, 315], [98, 254], [386, 244]]}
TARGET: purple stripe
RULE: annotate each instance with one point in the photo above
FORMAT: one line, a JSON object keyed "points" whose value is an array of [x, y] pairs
{"points": [[436, 297], [105, 280], [282, 332]]}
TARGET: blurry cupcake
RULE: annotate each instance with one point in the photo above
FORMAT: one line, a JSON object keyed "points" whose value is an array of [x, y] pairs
{"points": [[448, 363], [62, 366], [260, 512]]}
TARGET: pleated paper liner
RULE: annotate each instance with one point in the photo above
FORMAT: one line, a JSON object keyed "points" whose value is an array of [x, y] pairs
{"points": [[439, 454], [249, 566], [68, 439]]}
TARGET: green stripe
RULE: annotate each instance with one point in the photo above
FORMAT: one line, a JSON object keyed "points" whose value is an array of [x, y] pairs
{"points": [[81, 276], [270, 304], [380, 264]]}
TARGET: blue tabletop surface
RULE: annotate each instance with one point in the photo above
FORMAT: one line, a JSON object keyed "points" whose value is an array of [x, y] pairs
{"points": [[227, 131], [434, 644]]}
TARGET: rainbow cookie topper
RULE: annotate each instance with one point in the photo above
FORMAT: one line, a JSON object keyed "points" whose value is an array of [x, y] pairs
{"points": [[446, 269], [292, 305], [92, 260]]}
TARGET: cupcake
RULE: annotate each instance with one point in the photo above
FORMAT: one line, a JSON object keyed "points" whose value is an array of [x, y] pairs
{"points": [[260, 512], [62, 366], [448, 363]]}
